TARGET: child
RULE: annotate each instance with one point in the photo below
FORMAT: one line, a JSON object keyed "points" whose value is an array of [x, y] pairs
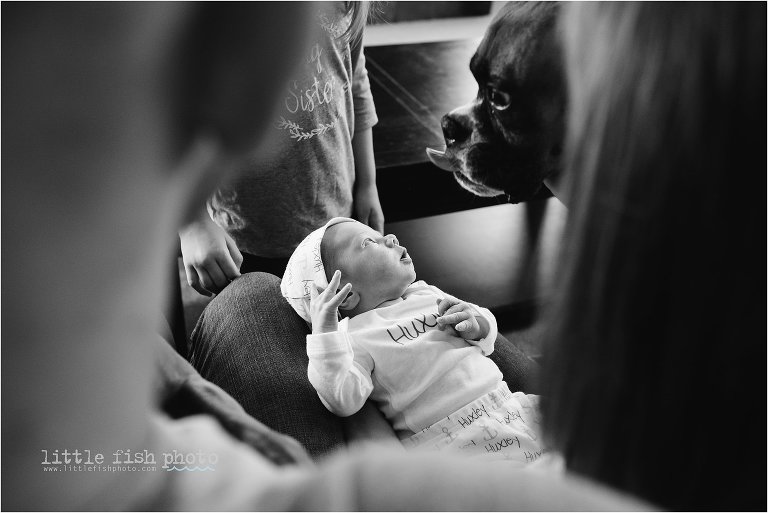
{"points": [[315, 162], [419, 353]]}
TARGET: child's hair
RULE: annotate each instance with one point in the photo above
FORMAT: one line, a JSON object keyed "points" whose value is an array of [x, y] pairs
{"points": [[655, 372], [328, 257], [329, 262], [359, 17]]}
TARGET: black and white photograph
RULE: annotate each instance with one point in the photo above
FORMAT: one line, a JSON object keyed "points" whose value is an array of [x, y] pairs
{"points": [[384, 256]]}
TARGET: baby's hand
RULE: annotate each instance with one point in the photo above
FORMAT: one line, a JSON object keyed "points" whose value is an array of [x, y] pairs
{"points": [[324, 305], [461, 318]]}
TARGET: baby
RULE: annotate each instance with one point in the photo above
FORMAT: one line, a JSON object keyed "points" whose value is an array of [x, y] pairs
{"points": [[418, 353]]}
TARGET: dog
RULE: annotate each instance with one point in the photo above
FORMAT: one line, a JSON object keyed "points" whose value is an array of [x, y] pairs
{"points": [[509, 139]]}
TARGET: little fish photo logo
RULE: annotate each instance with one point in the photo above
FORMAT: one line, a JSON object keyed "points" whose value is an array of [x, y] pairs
{"points": [[88, 460], [126, 460]]}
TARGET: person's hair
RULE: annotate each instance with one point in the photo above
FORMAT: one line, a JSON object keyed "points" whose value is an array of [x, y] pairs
{"points": [[328, 257], [654, 371], [358, 13]]}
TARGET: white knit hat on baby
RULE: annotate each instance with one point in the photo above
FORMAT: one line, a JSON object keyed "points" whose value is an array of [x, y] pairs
{"points": [[304, 268]]}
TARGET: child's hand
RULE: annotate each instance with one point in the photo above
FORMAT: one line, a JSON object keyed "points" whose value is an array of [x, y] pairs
{"points": [[368, 208], [324, 305], [211, 258], [461, 318]]}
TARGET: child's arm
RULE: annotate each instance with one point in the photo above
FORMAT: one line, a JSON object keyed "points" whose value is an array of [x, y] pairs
{"points": [[341, 377], [367, 206]]}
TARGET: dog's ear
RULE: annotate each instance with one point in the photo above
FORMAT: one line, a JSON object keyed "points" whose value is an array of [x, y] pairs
{"points": [[351, 301]]}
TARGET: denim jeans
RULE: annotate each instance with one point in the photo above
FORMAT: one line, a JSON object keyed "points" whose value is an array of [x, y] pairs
{"points": [[251, 343]]}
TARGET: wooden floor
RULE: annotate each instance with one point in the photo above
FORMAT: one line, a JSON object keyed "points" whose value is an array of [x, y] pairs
{"points": [[489, 256]]}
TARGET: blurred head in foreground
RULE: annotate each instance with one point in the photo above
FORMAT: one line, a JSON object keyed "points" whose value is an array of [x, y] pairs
{"points": [[117, 117], [656, 372]]}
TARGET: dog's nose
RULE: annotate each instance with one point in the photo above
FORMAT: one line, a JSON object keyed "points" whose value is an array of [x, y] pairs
{"points": [[455, 129], [457, 126]]}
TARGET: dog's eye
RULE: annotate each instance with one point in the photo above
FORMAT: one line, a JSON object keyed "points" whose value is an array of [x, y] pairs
{"points": [[499, 100]]}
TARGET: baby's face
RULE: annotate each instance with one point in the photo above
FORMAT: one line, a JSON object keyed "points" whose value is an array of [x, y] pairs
{"points": [[377, 266]]}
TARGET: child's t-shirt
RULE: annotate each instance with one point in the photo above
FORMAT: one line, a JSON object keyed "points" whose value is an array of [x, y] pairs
{"points": [[303, 172], [397, 356]]}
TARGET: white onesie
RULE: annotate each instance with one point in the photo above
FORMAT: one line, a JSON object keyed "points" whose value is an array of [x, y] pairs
{"points": [[436, 389]]}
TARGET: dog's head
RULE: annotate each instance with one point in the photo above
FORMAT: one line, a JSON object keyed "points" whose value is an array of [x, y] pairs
{"points": [[509, 139]]}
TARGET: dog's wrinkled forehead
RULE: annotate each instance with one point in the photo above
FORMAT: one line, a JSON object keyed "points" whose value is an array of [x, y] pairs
{"points": [[518, 44]]}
